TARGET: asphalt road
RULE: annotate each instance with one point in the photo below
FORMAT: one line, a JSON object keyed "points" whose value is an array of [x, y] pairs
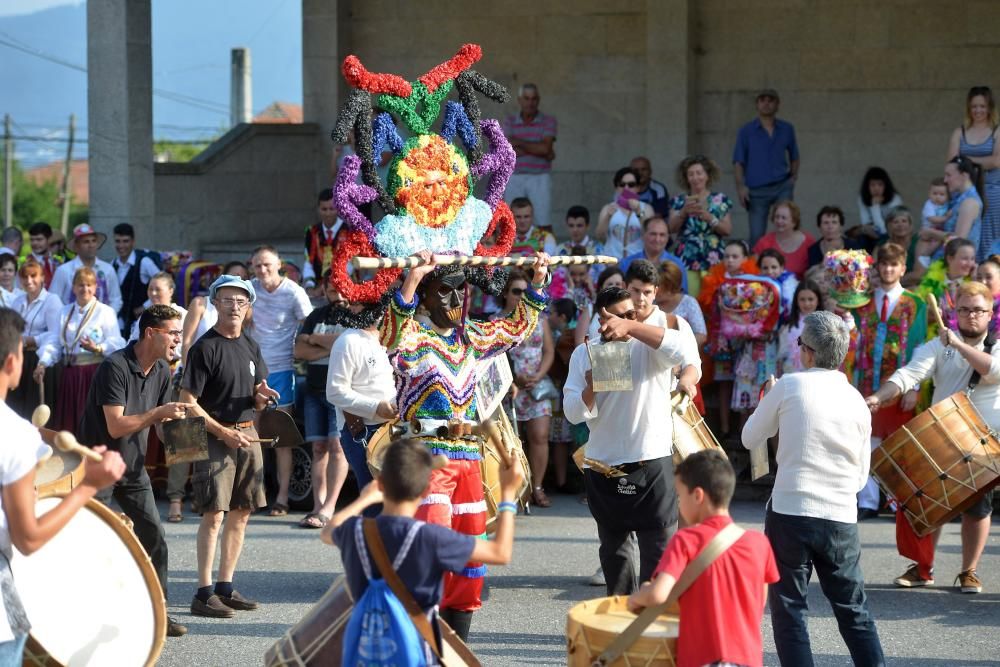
{"points": [[288, 569]]}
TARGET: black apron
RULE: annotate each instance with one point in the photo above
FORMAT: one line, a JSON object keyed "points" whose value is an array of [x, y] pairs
{"points": [[644, 499]]}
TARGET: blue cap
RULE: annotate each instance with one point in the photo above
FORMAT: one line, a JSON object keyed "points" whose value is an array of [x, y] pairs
{"points": [[226, 280]]}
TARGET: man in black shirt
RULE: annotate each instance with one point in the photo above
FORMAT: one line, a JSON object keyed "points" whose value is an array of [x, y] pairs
{"points": [[129, 394], [225, 381]]}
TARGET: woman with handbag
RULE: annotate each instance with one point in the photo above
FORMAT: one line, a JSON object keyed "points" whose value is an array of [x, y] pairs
{"points": [[531, 361]]}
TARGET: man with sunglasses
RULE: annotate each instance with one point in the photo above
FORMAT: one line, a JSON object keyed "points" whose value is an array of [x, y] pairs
{"points": [[950, 361], [629, 431], [129, 394]]}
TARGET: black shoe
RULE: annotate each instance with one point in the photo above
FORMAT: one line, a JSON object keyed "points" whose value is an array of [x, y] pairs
{"points": [[175, 629], [212, 608], [238, 602], [865, 514]]}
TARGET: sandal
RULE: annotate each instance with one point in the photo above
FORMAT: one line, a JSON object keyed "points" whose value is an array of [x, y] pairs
{"points": [[174, 513], [314, 520], [539, 498], [278, 509]]}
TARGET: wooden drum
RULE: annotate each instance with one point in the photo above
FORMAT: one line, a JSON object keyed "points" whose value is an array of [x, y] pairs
{"points": [[592, 625], [492, 462], [378, 443], [317, 639], [691, 433], [939, 463]]}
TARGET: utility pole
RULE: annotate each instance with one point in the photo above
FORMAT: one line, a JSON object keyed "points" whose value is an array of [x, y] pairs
{"points": [[66, 193], [8, 173]]}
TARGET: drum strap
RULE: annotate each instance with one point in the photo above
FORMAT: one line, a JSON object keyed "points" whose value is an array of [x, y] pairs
{"points": [[377, 549], [724, 539], [988, 349]]}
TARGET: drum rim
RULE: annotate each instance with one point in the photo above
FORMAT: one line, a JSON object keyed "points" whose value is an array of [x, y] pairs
{"points": [[114, 521]]}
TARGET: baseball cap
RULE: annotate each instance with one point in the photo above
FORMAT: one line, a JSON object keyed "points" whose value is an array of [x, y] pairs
{"points": [[768, 92], [226, 280]]}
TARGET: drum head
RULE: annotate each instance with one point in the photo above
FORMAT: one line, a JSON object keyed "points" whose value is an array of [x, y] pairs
{"points": [[380, 439], [57, 466], [91, 594]]}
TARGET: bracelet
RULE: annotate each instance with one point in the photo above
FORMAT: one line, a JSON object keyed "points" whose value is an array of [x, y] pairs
{"points": [[507, 506]]}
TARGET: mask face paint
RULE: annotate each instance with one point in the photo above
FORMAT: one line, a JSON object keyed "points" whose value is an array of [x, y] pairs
{"points": [[443, 298]]}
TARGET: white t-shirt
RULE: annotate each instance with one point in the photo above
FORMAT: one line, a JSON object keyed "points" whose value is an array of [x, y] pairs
{"points": [[276, 318], [359, 376], [21, 451]]}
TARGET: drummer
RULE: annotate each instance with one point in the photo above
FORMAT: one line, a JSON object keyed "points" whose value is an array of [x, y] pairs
{"points": [[23, 449], [956, 362], [130, 393]]}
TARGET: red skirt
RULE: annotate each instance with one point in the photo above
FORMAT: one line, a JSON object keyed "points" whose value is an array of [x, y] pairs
{"points": [[72, 397]]}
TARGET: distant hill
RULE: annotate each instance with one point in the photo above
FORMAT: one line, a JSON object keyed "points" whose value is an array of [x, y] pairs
{"points": [[191, 43]]}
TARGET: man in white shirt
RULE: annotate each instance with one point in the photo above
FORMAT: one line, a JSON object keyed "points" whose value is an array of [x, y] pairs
{"points": [[823, 457], [949, 361], [280, 307], [19, 527], [134, 269], [631, 431], [85, 243]]}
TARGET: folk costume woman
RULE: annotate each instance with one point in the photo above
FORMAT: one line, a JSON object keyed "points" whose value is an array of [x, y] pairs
{"points": [[431, 210]]}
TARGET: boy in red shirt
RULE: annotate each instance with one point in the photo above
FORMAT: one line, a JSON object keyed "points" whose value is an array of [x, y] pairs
{"points": [[721, 611]]}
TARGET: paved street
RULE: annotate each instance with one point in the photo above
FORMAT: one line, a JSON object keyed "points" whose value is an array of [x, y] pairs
{"points": [[287, 569]]}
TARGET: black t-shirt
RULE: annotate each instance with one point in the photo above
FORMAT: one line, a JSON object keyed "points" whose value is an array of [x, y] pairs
{"points": [[120, 381], [315, 323], [222, 373]]}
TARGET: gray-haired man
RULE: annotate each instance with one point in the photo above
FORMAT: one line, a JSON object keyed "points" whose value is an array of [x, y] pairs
{"points": [[823, 460]]}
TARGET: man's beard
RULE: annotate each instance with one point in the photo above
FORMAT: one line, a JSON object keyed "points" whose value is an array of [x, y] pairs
{"points": [[970, 334]]}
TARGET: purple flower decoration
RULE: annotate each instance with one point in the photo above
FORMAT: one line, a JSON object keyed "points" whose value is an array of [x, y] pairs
{"points": [[349, 194], [499, 162]]}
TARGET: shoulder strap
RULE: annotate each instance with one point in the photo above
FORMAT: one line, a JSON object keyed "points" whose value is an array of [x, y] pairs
{"points": [[724, 539], [988, 349], [416, 614]]}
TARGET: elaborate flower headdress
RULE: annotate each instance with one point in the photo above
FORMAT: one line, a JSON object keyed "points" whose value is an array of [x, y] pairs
{"points": [[427, 197]]}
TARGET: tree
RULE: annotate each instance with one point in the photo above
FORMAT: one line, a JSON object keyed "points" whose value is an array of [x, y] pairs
{"points": [[40, 202]]}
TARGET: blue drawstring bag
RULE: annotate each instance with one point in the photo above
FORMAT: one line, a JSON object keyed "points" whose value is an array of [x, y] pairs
{"points": [[380, 633]]}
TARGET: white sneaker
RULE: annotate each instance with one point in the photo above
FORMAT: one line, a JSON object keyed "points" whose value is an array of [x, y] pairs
{"points": [[597, 579]]}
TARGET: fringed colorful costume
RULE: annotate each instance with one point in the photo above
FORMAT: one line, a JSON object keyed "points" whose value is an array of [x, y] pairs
{"points": [[429, 205]]}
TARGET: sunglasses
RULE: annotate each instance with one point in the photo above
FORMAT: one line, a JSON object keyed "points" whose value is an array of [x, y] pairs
{"points": [[627, 315]]}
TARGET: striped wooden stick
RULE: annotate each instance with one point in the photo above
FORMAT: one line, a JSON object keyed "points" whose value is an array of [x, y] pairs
{"points": [[475, 260]]}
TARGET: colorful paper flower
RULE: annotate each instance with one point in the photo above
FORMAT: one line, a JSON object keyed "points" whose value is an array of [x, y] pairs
{"points": [[355, 243]]}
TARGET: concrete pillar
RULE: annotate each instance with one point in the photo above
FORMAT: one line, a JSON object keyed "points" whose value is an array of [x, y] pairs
{"points": [[240, 87], [670, 93], [120, 115], [324, 45]]}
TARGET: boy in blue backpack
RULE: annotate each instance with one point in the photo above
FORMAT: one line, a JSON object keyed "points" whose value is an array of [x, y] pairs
{"points": [[431, 552]]}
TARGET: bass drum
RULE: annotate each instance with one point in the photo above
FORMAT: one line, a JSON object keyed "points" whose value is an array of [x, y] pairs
{"points": [[115, 614], [492, 461]]}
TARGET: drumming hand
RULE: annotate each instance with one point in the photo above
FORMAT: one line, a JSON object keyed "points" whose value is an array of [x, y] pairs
{"points": [[688, 387], [511, 479], [909, 401], [874, 403], [386, 410], [38, 374], [174, 410], [614, 328], [948, 337], [263, 393], [103, 473], [541, 268], [235, 439]]}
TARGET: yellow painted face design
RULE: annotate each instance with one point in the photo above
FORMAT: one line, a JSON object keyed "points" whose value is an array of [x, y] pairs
{"points": [[434, 182]]}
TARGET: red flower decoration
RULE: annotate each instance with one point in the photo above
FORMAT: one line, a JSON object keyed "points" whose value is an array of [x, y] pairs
{"points": [[355, 244], [463, 60], [503, 217], [359, 77]]}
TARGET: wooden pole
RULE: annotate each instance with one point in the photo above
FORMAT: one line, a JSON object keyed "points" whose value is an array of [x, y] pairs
{"points": [[8, 173], [66, 193], [475, 260]]}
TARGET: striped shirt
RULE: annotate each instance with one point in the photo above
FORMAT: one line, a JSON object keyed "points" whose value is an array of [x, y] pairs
{"points": [[540, 127]]}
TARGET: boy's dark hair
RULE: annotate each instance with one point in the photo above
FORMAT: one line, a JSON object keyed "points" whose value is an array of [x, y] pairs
{"points": [[710, 470], [326, 194], [579, 212], [773, 254], [124, 229], [155, 316], [40, 229], [406, 470], [11, 328], [234, 263], [8, 258], [521, 202], [565, 307], [644, 271], [609, 296]]}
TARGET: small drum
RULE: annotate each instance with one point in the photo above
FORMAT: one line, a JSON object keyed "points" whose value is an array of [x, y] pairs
{"points": [[59, 474], [691, 433], [939, 463], [91, 594], [318, 638], [377, 444], [492, 462], [592, 625]]}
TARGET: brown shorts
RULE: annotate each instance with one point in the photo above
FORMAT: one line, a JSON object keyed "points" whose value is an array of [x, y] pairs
{"points": [[231, 479]]}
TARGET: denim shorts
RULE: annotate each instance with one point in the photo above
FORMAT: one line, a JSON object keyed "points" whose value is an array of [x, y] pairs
{"points": [[320, 418], [283, 382]]}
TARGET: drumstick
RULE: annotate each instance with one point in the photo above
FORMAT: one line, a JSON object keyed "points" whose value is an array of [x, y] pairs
{"points": [[41, 393], [66, 442], [40, 417], [933, 305], [475, 260]]}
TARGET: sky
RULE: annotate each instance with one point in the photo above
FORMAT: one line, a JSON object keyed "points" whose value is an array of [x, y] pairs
{"points": [[18, 7]]}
